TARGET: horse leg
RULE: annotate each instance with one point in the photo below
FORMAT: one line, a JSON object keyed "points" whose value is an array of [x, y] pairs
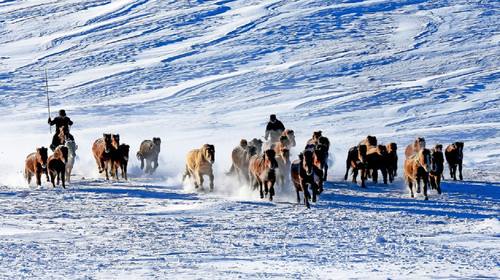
{"points": [[63, 178], [46, 174], [438, 184], [375, 176], [261, 189], [418, 185], [426, 183], [124, 171], [460, 171], [106, 171], [355, 175], [142, 162], [155, 164], [363, 177], [271, 190], [306, 194], [211, 178], [298, 195], [325, 172], [200, 180], [410, 186], [347, 166], [148, 166], [38, 178], [52, 178], [384, 175], [314, 187]]}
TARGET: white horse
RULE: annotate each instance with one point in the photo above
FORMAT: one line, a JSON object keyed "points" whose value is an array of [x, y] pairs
{"points": [[71, 145]]}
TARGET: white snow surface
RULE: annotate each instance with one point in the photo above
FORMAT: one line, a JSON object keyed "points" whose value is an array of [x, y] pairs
{"points": [[195, 72]]}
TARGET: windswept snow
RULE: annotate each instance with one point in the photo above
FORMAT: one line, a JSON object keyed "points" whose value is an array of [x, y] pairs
{"points": [[212, 72]]}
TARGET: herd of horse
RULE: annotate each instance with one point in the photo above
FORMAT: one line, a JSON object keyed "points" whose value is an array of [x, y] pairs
{"points": [[262, 165]]}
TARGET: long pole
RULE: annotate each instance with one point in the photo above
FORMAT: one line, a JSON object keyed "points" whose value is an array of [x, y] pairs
{"points": [[48, 100]]}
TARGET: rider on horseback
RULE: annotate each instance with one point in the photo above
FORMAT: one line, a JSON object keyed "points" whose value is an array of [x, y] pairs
{"points": [[274, 129], [61, 121]]}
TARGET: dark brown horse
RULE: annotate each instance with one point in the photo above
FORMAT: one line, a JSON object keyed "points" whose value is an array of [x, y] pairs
{"points": [[437, 161], [103, 150], [376, 159], [314, 139], [56, 165], [302, 173], [356, 159], [454, 156], [415, 147], [120, 160], [262, 172], [417, 169], [36, 164], [320, 161], [392, 161]]}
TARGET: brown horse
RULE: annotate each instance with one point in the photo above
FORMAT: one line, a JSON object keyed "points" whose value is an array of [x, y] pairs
{"points": [[376, 159], [356, 159], [56, 165], [437, 160], [120, 161], [302, 173], [291, 136], [257, 143], [115, 140], [454, 156], [198, 163], [417, 169], [36, 164], [283, 173], [149, 151], [262, 172], [284, 143], [103, 150], [392, 161], [240, 160], [415, 147]]}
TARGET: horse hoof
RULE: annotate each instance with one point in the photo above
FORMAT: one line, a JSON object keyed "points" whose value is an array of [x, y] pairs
{"points": [[426, 198]]}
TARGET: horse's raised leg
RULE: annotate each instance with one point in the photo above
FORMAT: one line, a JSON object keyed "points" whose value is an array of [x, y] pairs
{"points": [[347, 165]]}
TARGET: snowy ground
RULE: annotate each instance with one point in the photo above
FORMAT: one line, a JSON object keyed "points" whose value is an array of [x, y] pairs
{"points": [[212, 72]]}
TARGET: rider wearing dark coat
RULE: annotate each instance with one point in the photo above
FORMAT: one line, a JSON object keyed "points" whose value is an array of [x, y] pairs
{"points": [[274, 125], [60, 121]]}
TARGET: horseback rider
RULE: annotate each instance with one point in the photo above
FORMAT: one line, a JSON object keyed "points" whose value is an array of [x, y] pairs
{"points": [[60, 121], [274, 129]]}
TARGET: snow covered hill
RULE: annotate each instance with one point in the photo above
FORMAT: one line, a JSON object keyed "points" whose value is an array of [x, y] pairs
{"points": [[194, 72]]}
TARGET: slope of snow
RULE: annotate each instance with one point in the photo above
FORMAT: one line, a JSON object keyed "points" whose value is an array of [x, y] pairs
{"points": [[211, 72]]}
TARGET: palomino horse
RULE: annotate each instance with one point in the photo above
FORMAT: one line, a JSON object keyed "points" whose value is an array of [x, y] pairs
{"points": [[415, 147], [149, 151], [454, 156], [302, 173], [356, 159], [103, 150], [437, 160], [36, 164], [392, 161], [240, 157], [417, 169], [72, 147], [262, 172], [291, 136], [283, 173], [198, 163], [120, 160], [56, 165], [376, 159], [283, 143]]}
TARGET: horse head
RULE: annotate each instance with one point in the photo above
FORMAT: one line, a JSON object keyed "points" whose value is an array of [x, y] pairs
{"points": [[157, 143], [243, 143], [362, 150], [371, 140], [116, 140], [291, 136], [71, 145], [392, 147], [257, 143], [270, 159], [64, 151], [420, 143], [108, 142], [460, 149], [124, 151], [307, 162], [424, 159], [42, 156], [209, 152]]}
